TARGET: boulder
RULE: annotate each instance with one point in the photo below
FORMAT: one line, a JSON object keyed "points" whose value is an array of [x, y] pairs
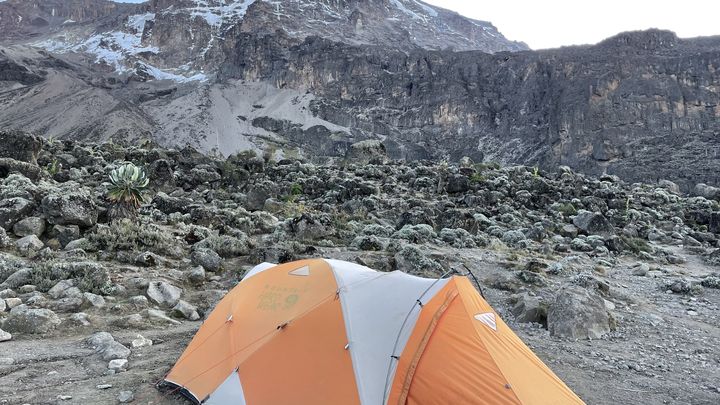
{"points": [[104, 344], [578, 313], [70, 208], [207, 258], [593, 223], [17, 279], [185, 310], [66, 233], [530, 309], [368, 151], [29, 226], [29, 244], [20, 146], [163, 294], [13, 210], [23, 319], [29, 170]]}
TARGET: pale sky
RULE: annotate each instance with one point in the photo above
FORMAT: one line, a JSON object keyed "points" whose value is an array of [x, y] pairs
{"points": [[553, 23]]}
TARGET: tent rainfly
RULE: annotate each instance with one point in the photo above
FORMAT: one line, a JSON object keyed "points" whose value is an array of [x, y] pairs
{"points": [[332, 332]]}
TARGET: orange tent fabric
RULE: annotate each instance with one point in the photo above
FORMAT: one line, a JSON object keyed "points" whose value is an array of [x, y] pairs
{"points": [[332, 332]]}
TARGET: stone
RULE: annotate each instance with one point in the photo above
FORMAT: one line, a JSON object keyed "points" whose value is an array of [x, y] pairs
{"points": [[23, 319], [59, 288], [207, 258], [147, 259], [593, 223], [13, 302], [139, 301], [13, 210], [530, 309], [125, 397], [5, 336], [79, 319], [196, 275], [366, 152], [93, 300], [104, 344], [70, 208], [66, 233], [3, 305], [29, 226], [17, 279], [20, 146], [641, 270], [141, 341], [578, 314], [118, 364], [569, 231], [29, 244], [185, 310], [103, 386], [158, 315], [163, 294]]}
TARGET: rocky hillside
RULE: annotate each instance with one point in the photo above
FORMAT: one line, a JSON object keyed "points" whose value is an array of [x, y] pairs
{"points": [[614, 285]]}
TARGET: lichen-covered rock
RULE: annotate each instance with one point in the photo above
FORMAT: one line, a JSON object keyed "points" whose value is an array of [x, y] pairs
{"points": [[163, 294], [20, 146], [13, 210], [70, 208], [578, 313], [207, 258], [23, 319], [29, 226], [29, 244]]}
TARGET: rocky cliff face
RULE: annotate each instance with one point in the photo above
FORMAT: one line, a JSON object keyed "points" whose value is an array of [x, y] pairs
{"points": [[642, 105]]}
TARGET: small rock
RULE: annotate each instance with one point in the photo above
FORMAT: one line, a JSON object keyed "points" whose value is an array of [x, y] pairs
{"points": [[160, 316], [207, 258], [141, 341], [58, 289], [64, 397], [79, 319], [163, 294], [641, 269], [4, 336], [196, 275], [185, 310], [593, 223], [139, 301], [104, 386], [93, 300], [3, 305], [117, 364], [29, 244], [29, 226], [125, 397], [530, 309], [13, 302]]}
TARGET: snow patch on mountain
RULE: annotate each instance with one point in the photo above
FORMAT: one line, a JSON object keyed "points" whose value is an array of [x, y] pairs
{"points": [[117, 49]]}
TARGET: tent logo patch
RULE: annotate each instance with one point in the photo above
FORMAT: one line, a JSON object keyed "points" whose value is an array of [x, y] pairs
{"points": [[488, 318]]}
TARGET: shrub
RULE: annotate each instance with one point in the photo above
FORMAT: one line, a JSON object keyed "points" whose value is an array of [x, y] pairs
{"points": [[132, 236]]}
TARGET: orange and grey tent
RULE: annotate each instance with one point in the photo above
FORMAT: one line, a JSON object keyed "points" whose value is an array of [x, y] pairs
{"points": [[332, 332]]}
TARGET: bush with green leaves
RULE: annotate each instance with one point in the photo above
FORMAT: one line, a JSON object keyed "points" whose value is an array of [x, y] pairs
{"points": [[127, 191]]}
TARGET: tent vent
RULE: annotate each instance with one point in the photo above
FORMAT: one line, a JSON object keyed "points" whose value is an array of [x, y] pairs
{"points": [[302, 271], [488, 318]]}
